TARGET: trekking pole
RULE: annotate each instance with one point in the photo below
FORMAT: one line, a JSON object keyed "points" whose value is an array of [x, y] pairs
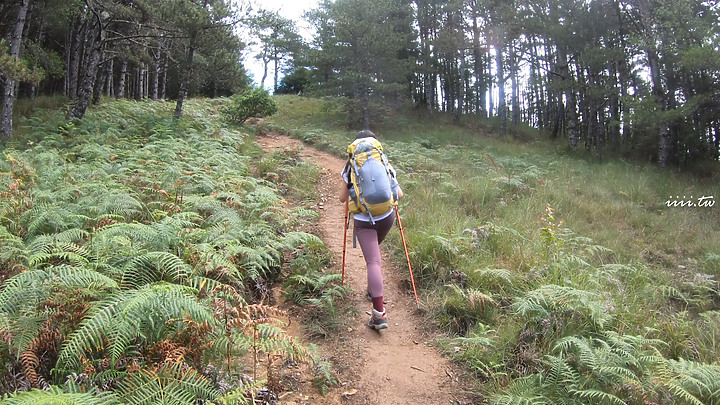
{"points": [[407, 256], [347, 225]]}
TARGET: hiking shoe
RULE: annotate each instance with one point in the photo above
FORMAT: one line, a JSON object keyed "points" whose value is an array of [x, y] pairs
{"points": [[378, 320]]}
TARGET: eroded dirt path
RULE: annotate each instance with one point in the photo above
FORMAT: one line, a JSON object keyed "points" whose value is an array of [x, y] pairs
{"points": [[396, 366]]}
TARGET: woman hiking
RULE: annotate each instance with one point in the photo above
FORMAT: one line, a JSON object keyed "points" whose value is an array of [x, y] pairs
{"points": [[373, 215]]}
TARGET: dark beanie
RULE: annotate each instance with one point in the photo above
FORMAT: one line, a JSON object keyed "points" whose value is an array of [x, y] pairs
{"points": [[365, 133]]}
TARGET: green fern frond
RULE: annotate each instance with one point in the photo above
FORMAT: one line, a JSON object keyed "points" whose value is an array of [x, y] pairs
{"points": [[48, 219], [537, 304], [172, 384], [524, 391], [58, 396], [596, 396], [155, 266], [115, 203], [128, 315]]}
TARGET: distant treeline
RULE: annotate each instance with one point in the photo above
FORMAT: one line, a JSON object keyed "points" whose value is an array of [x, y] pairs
{"points": [[632, 78]]}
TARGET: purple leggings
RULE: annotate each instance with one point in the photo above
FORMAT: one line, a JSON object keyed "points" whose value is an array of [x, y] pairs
{"points": [[370, 236]]}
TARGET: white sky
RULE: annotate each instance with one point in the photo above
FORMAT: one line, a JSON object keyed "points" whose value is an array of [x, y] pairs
{"points": [[292, 9]]}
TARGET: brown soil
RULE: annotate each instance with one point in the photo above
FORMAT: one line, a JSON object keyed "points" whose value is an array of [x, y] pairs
{"points": [[398, 365]]}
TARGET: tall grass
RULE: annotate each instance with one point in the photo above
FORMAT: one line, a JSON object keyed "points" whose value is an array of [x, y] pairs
{"points": [[519, 246]]}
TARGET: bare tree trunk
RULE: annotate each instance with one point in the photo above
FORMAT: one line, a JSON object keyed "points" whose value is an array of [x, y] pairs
{"points": [[10, 83], [94, 47], [491, 99], [163, 82], [478, 66], [155, 80], [146, 82], [502, 107], [265, 70], [460, 88], [665, 136], [75, 57], [109, 77], [98, 89], [515, 87], [185, 82], [122, 79], [139, 83], [275, 78]]}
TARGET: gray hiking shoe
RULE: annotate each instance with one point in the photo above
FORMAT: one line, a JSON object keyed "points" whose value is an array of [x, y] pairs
{"points": [[378, 320]]}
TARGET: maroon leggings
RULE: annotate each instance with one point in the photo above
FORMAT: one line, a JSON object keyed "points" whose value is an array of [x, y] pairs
{"points": [[370, 236]]}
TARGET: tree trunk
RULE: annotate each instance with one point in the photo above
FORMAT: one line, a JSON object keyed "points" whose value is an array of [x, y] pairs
{"points": [[163, 82], [664, 134], [460, 88], [502, 108], [275, 78], [94, 47], [155, 80], [515, 88], [109, 78], [75, 57], [265, 70], [99, 83], [122, 78], [10, 83], [365, 110], [478, 66], [491, 99], [185, 82], [139, 75]]}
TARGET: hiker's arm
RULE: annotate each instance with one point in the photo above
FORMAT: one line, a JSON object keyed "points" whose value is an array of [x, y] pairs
{"points": [[344, 193], [345, 176], [399, 192]]}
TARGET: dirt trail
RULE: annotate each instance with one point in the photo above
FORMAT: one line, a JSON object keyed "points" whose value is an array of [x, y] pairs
{"points": [[397, 366]]}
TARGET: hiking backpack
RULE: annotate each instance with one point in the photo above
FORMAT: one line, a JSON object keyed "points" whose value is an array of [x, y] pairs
{"points": [[372, 182]]}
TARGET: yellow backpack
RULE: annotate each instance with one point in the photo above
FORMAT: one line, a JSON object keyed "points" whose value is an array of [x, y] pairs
{"points": [[372, 189]]}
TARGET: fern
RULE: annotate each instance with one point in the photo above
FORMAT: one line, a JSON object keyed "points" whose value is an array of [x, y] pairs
{"points": [[28, 289], [155, 266], [524, 391], [171, 384], [541, 302], [60, 396], [129, 315]]}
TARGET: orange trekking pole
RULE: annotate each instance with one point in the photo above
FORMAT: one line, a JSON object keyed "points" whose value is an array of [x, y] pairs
{"points": [[347, 225], [407, 256]]}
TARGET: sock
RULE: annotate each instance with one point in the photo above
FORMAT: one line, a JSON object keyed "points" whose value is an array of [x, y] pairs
{"points": [[378, 304]]}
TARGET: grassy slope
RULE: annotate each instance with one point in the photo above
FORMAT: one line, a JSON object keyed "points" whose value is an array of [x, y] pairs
{"points": [[476, 217]]}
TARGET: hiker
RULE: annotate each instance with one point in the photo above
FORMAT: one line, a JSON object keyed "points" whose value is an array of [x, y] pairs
{"points": [[371, 227]]}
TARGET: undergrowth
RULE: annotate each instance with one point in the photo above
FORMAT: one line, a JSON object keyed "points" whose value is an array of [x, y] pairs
{"points": [[138, 257], [558, 280]]}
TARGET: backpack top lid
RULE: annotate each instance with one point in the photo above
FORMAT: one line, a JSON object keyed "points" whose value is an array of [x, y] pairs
{"points": [[361, 145]]}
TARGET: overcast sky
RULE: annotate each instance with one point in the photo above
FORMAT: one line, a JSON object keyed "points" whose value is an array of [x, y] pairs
{"points": [[292, 9]]}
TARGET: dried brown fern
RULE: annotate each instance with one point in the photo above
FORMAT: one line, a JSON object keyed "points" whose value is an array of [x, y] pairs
{"points": [[46, 342], [262, 323], [169, 352]]}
